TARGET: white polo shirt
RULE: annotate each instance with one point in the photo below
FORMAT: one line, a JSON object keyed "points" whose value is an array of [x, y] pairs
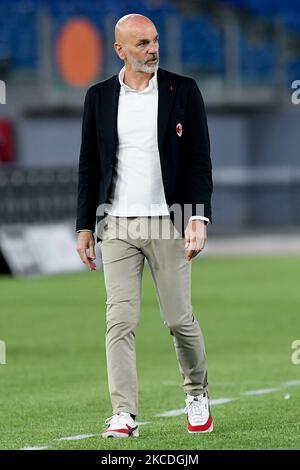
{"points": [[137, 182]]}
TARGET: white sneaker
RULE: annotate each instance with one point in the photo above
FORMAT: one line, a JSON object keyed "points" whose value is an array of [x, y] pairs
{"points": [[198, 414], [121, 425]]}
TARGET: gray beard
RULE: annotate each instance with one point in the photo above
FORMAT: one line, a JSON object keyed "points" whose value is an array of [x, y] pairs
{"points": [[138, 67], [148, 68]]}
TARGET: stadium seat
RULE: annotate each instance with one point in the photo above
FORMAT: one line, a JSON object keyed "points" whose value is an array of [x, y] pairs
{"points": [[258, 61], [202, 44]]}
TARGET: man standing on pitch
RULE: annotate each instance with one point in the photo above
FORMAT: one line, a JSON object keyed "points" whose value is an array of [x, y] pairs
{"points": [[145, 151]]}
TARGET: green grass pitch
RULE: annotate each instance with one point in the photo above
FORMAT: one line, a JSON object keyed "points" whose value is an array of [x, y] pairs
{"points": [[54, 383]]}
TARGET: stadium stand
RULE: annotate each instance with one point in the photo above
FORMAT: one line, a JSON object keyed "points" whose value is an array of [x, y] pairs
{"points": [[19, 35], [245, 71]]}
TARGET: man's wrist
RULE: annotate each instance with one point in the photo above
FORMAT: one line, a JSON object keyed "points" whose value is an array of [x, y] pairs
{"points": [[85, 230], [200, 217]]}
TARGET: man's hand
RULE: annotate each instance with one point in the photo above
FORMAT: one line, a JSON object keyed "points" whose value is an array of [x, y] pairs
{"points": [[195, 237], [86, 241]]}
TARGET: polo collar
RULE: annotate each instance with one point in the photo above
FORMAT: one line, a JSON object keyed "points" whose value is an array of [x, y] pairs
{"points": [[125, 88]]}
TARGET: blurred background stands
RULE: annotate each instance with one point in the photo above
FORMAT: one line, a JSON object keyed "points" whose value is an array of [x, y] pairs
{"points": [[244, 54]]}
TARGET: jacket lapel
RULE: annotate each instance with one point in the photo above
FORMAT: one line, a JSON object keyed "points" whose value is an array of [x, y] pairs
{"points": [[166, 94], [109, 114]]}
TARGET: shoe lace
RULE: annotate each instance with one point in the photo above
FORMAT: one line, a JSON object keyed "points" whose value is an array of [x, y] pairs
{"points": [[112, 419], [195, 407]]}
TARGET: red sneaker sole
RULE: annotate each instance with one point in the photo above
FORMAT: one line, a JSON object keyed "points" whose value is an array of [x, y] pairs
{"points": [[210, 429]]}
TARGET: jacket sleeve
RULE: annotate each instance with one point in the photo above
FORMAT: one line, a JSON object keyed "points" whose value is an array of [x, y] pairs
{"points": [[199, 184], [89, 168]]}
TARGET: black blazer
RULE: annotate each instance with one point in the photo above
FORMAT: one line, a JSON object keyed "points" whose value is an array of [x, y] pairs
{"points": [[185, 159]]}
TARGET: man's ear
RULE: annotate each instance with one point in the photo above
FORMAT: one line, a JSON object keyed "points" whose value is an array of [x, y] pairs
{"points": [[119, 50]]}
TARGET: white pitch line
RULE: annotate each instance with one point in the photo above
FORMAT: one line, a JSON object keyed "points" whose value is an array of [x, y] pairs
{"points": [[88, 436], [262, 391], [292, 383], [77, 438], [35, 448], [166, 414], [221, 401]]}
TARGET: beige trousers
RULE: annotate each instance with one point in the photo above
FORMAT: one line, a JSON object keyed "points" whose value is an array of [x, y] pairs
{"points": [[126, 242]]}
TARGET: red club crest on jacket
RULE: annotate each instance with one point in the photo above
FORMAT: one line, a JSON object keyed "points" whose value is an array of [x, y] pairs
{"points": [[179, 129]]}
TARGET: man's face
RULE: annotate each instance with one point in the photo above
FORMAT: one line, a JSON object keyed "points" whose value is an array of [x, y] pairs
{"points": [[141, 49]]}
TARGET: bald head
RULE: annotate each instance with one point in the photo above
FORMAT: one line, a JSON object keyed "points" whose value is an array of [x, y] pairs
{"points": [[136, 42], [131, 24]]}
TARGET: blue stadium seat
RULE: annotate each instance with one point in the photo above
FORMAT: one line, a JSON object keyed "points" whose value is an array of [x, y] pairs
{"points": [[258, 61], [270, 8], [202, 45], [18, 34]]}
